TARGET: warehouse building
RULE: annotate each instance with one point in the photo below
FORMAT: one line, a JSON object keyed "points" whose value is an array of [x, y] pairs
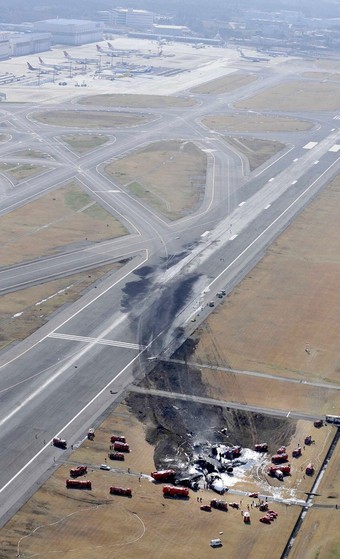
{"points": [[4, 46], [29, 43], [71, 31]]}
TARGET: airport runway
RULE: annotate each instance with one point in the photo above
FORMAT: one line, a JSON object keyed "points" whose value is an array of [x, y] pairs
{"points": [[58, 381]]}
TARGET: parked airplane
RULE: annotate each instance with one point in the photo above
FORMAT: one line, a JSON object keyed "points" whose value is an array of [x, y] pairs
{"points": [[253, 58], [129, 51], [198, 46], [274, 53], [54, 66], [80, 60], [30, 67]]}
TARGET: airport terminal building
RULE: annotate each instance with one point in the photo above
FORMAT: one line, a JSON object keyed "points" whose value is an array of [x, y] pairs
{"points": [[71, 31], [127, 17]]}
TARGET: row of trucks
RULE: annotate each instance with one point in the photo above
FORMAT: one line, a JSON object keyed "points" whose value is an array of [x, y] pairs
{"points": [[86, 484], [279, 471], [281, 455], [118, 448]]}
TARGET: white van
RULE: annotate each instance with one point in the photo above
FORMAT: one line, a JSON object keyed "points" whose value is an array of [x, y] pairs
{"points": [[216, 543]]}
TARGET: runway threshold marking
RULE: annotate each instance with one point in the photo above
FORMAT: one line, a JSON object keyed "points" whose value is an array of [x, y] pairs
{"points": [[100, 341], [310, 145], [335, 148]]}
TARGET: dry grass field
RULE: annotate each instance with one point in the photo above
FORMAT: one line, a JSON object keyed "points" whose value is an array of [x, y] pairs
{"points": [[247, 389], [20, 171], [319, 537], [169, 176], [83, 143], [33, 153], [284, 317], [256, 151], [23, 313], [296, 96], [225, 84], [137, 101], [248, 122], [91, 119], [63, 217]]}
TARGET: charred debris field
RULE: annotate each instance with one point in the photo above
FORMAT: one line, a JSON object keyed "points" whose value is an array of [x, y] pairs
{"points": [[180, 429]]}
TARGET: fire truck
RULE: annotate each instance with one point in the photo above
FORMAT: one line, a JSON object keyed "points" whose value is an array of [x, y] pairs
{"points": [[219, 504], [79, 471], [163, 475], [125, 491], [121, 447], [116, 456], [280, 458], [60, 443], [172, 491], [78, 484], [118, 439], [261, 447]]}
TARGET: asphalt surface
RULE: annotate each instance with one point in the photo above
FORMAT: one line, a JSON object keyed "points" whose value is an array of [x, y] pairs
{"points": [[59, 380]]}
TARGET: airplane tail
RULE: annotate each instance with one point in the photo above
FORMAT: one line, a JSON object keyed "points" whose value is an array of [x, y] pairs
{"points": [[241, 53], [66, 54], [109, 45], [40, 60], [99, 49], [29, 66]]}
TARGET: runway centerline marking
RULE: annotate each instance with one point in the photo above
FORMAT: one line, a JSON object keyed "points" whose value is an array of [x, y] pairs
{"points": [[100, 341]]}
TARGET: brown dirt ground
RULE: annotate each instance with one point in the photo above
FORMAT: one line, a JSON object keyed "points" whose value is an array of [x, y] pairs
{"points": [[137, 101], [256, 151], [289, 304], [89, 524], [296, 96], [170, 176], [83, 143], [225, 84], [50, 296], [249, 122], [60, 218], [91, 119]]}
